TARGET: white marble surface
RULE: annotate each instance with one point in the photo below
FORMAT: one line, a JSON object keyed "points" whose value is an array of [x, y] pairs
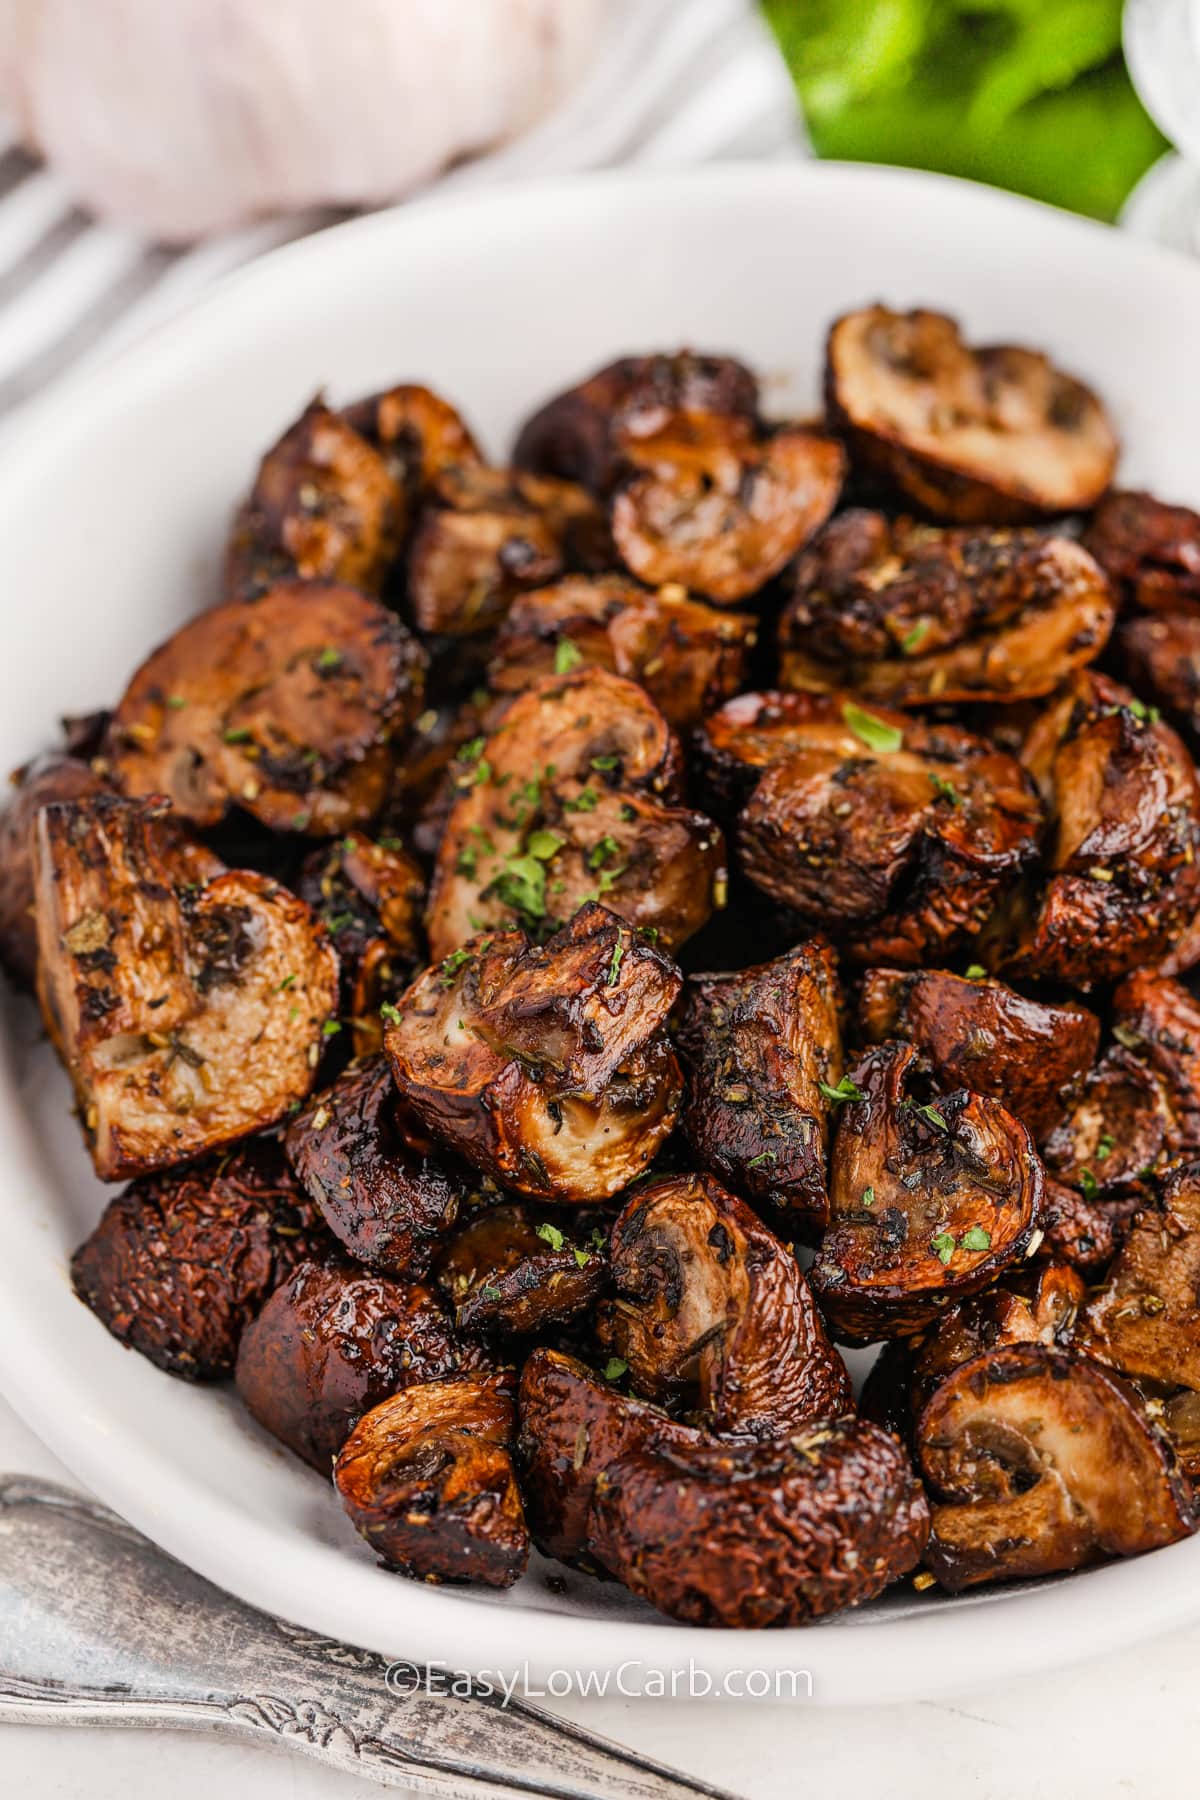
{"points": [[1116, 1727]]}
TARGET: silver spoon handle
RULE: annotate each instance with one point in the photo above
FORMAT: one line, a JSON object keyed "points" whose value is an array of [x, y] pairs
{"points": [[100, 1627]]}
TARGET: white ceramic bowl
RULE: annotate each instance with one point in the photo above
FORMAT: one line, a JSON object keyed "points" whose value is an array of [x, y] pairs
{"points": [[114, 497]]}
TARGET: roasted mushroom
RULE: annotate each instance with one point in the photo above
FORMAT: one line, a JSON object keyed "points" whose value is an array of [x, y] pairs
{"points": [[386, 1200], [992, 436], [762, 1047], [417, 433], [1124, 878], [766, 1534], [689, 657], [1150, 550], [333, 1342], [181, 1261], [930, 1199], [1145, 1320], [486, 534], [1039, 1460], [1116, 1131], [427, 1478], [1158, 1020], [287, 707], [325, 507], [1160, 653], [896, 837], [1028, 1054], [548, 1068], [910, 615], [569, 801], [369, 895], [515, 1271], [49, 778], [712, 505], [187, 1000], [1086, 1230], [583, 434], [573, 1425], [711, 1310]]}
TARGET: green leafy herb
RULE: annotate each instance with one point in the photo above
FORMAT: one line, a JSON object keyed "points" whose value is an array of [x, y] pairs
{"points": [[945, 790], [1105, 1147], [586, 800], [389, 1013], [176, 702], [845, 1090], [975, 1239], [614, 1368], [914, 635], [614, 967], [472, 751], [600, 853], [328, 659], [874, 732], [550, 1234], [238, 734], [567, 656], [465, 863], [452, 964], [763, 1156], [491, 1293], [943, 1246], [976, 972], [606, 763], [1089, 1187], [287, 982], [330, 1028], [545, 844], [931, 1116], [868, 1196], [582, 1257]]}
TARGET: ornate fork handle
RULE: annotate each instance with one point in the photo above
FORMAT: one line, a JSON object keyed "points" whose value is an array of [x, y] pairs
{"points": [[99, 1627]]}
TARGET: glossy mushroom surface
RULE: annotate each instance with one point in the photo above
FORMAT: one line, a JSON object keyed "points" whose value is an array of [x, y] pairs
{"points": [[48, 779], [1150, 550], [427, 1478], [513, 1271]]}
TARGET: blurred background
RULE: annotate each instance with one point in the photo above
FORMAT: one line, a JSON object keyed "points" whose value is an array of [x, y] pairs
{"points": [[146, 148]]}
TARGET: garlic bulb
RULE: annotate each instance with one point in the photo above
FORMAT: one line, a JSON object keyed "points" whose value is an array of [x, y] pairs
{"points": [[183, 117]]}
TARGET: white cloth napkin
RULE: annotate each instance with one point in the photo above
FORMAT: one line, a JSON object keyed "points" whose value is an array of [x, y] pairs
{"points": [[679, 82]]}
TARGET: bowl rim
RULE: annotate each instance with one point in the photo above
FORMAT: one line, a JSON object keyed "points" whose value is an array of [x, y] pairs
{"points": [[929, 1651]]}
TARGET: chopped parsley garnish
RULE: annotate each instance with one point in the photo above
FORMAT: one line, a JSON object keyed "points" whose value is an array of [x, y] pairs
{"points": [[601, 852], [389, 1013], [1105, 1147], [586, 800], [567, 656], [606, 763], [845, 1090], [943, 1246], [491, 1293], [239, 734], [945, 790], [762, 1157], [868, 1196], [452, 964], [328, 659], [914, 634], [874, 732], [550, 1234], [1089, 1187], [330, 1028], [582, 1257], [287, 982], [976, 972], [975, 1239], [545, 844], [930, 1114], [614, 967], [614, 1368], [521, 886]]}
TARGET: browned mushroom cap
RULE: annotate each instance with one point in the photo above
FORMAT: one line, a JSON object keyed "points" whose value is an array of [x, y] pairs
{"points": [[1161, 655], [760, 1045], [547, 1068], [976, 1033], [427, 1478], [715, 507], [582, 434], [1124, 877], [369, 895], [911, 615], [991, 436], [929, 1200], [1158, 1020], [573, 1426], [566, 802], [325, 507], [333, 1342], [711, 1309], [188, 1001], [1040, 1460], [181, 1261], [895, 837], [485, 534], [386, 1201], [48, 779], [1117, 1130], [1150, 550], [1145, 1320], [753, 1535], [418, 433], [514, 1270], [1086, 1230], [688, 656], [286, 707]]}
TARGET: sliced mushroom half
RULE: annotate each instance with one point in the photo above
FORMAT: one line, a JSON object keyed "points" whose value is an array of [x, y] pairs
{"points": [[910, 615], [514, 1271], [1150, 550], [1145, 1320], [1158, 1021], [570, 800], [427, 1478], [711, 1310], [48, 779], [719, 509], [548, 1068], [989, 436], [1039, 1460], [188, 1001], [689, 657], [931, 1197], [763, 1047], [286, 708]]}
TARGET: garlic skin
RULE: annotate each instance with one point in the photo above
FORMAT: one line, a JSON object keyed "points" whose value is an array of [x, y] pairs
{"points": [[179, 118]]}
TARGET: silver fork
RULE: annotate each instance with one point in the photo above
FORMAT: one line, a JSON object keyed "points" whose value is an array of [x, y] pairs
{"points": [[100, 1627]]}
